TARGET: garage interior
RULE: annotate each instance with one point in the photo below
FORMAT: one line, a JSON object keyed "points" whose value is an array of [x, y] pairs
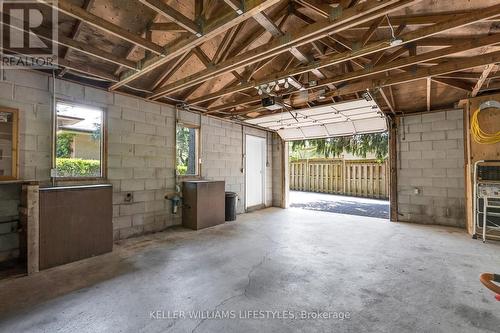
{"points": [[144, 175]]}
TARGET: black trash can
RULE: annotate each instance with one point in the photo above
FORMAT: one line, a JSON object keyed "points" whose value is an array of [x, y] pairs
{"points": [[231, 198]]}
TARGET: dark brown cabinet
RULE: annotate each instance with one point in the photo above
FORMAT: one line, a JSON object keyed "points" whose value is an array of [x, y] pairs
{"points": [[75, 223], [203, 204]]}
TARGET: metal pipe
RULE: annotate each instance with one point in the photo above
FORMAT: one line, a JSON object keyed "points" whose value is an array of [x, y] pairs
{"points": [[54, 129]]}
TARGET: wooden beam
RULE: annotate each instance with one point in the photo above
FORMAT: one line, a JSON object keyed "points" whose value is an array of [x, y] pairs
{"points": [[255, 33], [198, 11], [352, 16], [234, 6], [468, 76], [369, 33], [202, 56], [386, 100], [87, 69], [165, 10], [93, 51], [76, 30], [341, 40], [72, 44], [317, 6], [224, 52], [484, 75], [420, 19], [169, 27], [271, 27], [400, 63], [301, 16], [394, 55], [74, 11], [347, 3], [422, 73], [268, 24], [211, 29], [491, 86], [171, 70], [132, 49], [447, 67], [454, 83]]}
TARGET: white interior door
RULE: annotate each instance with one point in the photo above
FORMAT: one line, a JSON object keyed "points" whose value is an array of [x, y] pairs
{"points": [[255, 167]]}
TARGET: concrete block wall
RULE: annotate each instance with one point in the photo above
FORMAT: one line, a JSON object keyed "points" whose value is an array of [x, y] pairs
{"points": [[140, 147], [431, 168], [222, 149]]}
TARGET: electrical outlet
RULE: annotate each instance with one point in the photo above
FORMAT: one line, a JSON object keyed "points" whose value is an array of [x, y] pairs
{"points": [[129, 197]]}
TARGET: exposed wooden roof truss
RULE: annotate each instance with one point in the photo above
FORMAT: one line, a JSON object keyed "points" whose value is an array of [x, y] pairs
{"points": [[412, 55]]}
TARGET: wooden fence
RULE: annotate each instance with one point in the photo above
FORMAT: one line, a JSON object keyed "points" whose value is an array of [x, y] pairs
{"points": [[361, 178]]}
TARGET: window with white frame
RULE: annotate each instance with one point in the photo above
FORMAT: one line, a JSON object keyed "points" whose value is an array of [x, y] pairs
{"points": [[187, 150], [79, 141]]}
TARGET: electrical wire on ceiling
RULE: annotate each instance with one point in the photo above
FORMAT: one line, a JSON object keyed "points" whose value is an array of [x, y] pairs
{"points": [[478, 134], [394, 40]]}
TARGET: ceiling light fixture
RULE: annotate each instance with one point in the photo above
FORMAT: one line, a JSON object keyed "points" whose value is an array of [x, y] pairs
{"points": [[394, 40]]}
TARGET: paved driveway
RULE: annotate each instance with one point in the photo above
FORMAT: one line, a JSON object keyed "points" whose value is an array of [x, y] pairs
{"points": [[340, 204]]}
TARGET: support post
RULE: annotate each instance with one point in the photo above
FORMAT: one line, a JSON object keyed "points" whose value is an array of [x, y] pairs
{"points": [[393, 160]]}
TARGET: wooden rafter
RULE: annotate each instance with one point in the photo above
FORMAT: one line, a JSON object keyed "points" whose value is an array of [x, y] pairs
{"points": [[132, 49], [87, 4], [366, 11], [227, 41], [484, 75], [454, 83], [369, 33], [74, 11], [86, 69], [386, 100], [211, 29], [334, 59], [234, 6], [181, 60], [319, 8], [165, 10], [420, 19], [169, 26], [422, 73], [270, 26]]}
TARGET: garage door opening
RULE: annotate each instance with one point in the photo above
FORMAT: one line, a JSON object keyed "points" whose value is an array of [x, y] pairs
{"points": [[346, 175], [338, 156]]}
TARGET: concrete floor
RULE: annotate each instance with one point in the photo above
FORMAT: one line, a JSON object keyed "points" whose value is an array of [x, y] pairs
{"points": [[390, 277], [340, 204]]}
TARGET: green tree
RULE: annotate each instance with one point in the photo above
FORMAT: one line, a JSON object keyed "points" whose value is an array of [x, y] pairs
{"points": [[186, 150], [96, 134], [359, 145], [64, 144]]}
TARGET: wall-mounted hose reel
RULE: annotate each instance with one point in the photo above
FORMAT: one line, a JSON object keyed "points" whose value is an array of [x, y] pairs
{"points": [[478, 134]]}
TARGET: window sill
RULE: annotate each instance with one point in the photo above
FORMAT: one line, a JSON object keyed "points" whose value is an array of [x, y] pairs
{"points": [[189, 177], [79, 181]]}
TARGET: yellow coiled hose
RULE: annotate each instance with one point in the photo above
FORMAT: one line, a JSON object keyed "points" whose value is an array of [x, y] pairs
{"points": [[478, 134]]}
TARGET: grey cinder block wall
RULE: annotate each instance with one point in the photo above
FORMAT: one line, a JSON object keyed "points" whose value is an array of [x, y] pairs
{"points": [[140, 147], [431, 168]]}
